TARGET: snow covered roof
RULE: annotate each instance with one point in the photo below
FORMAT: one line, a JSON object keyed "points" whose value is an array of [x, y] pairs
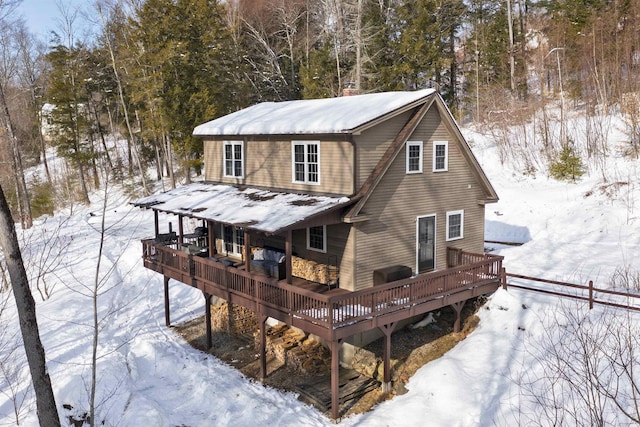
{"points": [[313, 116], [262, 210]]}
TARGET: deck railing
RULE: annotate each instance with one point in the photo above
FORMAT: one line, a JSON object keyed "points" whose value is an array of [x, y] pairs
{"points": [[328, 311]]}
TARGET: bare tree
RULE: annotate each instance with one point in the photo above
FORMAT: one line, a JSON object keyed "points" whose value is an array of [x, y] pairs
{"points": [[8, 69], [585, 369], [45, 400]]}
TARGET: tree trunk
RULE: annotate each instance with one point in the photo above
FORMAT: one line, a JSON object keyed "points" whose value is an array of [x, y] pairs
{"points": [[21, 185], [45, 400]]}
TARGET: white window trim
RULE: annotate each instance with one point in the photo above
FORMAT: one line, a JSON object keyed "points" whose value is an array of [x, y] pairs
{"points": [[449, 214], [446, 156], [224, 158], [324, 241], [236, 249], [420, 159], [306, 163]]}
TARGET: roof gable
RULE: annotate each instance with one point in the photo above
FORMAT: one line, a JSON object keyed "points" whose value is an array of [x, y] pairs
{"points": [[396, 146], [315, 116]]}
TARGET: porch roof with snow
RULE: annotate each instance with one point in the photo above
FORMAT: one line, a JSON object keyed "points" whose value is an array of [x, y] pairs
{"points": [[343, 115], [266, 211]]}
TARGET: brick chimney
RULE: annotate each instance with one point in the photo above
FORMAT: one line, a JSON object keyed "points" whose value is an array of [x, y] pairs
{"points": [[350, 89]]}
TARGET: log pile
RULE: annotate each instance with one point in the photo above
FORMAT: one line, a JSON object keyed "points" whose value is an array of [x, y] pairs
{"points": [[239, 320], [294, 348], [309, 270]]}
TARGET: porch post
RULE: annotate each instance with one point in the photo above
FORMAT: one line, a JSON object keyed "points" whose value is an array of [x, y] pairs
{"points": [[212, 238], [387, 330], [335, 379], [288, 254], [156, 223], [263, 344], [167, 318], [247, 251], [457, 308], [207, 317], [180, 232]]}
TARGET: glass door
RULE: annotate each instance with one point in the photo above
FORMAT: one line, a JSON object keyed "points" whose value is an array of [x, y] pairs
{"points": [[426, 243]]}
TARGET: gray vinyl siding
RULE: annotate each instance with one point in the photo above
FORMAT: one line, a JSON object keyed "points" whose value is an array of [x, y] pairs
{"points": [[373, 143], [389, 236], [268, 163]]}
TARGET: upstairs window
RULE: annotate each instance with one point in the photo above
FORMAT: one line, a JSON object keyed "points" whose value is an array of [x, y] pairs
{"points": [[455, 225], [317, 238], [306, 162], [414, 156], [233, 159], [440, 156]]}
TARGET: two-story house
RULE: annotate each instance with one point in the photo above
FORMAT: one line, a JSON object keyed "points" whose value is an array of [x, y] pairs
{"points": [[338, 216]]}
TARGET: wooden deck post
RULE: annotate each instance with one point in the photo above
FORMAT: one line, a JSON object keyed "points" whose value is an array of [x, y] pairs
{"points": [[590, 294], [207, 317], [263, 344], [167, 316], [503, 278], [247, 251], [288, 247], [457, 308], [335, 379], [387, 330], [180, 232], [211, 237], [156, 223]]}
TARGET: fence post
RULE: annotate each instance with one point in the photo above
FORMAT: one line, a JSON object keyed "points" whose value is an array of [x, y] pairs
{"points": [[590, 294], [504, 278]]}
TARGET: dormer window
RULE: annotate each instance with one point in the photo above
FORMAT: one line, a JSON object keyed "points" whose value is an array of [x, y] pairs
{"points": [[233, 159], [306, 162]]}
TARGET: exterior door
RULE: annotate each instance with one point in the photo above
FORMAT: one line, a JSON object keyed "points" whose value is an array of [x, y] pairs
{"points": [[426, 243]]}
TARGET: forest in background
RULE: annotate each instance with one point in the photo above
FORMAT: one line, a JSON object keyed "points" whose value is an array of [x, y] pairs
{"points": [[151, 70]]}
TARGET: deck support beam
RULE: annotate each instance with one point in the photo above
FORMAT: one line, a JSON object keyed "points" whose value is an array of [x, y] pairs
{"points": [[457, 308], [387, 330], [167, 315], [263, 344], [156, 223], [335, 378], [207, 318]]}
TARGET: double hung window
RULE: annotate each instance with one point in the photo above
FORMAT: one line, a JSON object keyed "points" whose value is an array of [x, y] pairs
{"points": [[306, 162], [414, 156], [317, 238], [440, 156], [455, 225], [233, 159]]}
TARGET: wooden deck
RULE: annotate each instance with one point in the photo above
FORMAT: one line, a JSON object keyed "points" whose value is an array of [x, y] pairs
{"points": [[331, 314]]}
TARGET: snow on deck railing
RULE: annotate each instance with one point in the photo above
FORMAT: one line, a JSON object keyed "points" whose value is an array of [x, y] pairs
{"points": [[336, 311]]}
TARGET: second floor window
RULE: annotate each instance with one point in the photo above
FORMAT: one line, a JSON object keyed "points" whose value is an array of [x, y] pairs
{"points": [[414, 156], [233, 159], [440, 156], [306, 162]]}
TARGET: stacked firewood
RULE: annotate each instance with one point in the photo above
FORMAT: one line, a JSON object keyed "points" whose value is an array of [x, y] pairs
{"points": [[309, 270]]}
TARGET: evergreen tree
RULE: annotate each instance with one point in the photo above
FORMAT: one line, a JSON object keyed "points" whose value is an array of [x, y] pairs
{"points": [[188, 48], [68, 95]]}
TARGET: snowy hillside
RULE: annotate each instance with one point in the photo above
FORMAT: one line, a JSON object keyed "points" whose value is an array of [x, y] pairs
{"points": [[148, 376]]}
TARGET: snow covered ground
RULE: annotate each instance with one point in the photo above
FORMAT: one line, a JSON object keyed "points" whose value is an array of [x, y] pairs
{"points": [[149, 377]]}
